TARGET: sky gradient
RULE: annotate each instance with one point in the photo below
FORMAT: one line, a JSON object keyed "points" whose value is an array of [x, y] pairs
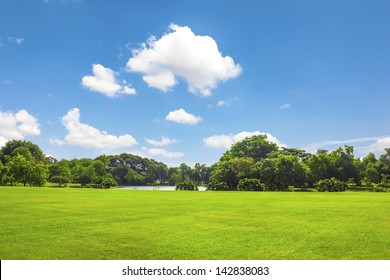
{"points": [[181, 81]]}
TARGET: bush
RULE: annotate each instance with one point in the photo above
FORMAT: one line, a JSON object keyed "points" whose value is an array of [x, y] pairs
{"points": [[330, 185], [379, 189], [250, 185], [217, 186], [107, 182], [385, 182], [186, 186]]}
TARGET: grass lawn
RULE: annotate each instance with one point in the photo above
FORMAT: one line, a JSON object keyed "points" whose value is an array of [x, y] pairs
{"points": [[52, 223]]}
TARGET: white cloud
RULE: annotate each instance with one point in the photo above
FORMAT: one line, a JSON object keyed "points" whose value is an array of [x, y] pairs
{"points": [[226, 141], [103, 81], [222, 103], [3, 140], [285, 106], [180, 53], [56, 141], [312, 148], [181, 116], [163, 152], [164, 141], [17, 126], [378, 147], [80, 134]]}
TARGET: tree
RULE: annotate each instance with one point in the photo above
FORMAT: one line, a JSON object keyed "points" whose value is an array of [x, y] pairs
{"points": [[59, 173], [26, 171], [281, 172], [200, 173], [224, 171], [185, 172], [12, 145], [20, 167], [320, 166], [344, 162], [256, 147]]}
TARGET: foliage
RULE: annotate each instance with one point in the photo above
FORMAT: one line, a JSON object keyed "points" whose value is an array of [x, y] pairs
{"points": [[255, 147], [186, 186], [250, 185], [281, 172], [331, 185], [59, 172], [217, 186], [107, 182], [385, 182], [11, 148]]}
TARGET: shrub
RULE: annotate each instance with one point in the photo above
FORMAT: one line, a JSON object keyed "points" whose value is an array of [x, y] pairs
{"points": [[385, 182], [250, 185], [217, 186], [379, 189], [331, 185], [107, 182], [186, 186]]}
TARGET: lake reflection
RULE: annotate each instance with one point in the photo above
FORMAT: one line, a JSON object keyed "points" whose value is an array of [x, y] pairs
{"points": [[152, 188]]}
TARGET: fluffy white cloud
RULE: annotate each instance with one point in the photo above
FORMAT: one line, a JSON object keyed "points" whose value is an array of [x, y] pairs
{"points": [[226, 141], [181, 53], [163, 152], [181, 116], [80, 134], [164, 141], [17, 126], [103, 81]]}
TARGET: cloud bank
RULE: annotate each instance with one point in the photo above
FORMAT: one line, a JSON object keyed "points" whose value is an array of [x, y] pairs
{"points": [[103, 81], [180, 53], [80, 134]]}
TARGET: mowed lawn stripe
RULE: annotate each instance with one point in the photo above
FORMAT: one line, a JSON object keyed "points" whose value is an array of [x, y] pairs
{"points": [[49, 223]]}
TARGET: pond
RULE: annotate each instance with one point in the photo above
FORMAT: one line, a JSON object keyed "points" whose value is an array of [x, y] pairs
{"points": [[153, 188]]}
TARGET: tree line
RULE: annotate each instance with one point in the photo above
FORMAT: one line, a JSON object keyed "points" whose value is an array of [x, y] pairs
{"points": [[252, 164], [24, 162], [257, 164]]}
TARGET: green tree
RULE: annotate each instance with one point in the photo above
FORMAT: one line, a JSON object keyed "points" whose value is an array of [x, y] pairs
{"points": [[59, 173], [224, 171], [320, 166], [281, 172], [26, 171], [256, 147], [12, 145]]}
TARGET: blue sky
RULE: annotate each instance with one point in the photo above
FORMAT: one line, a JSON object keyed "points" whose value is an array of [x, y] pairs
{"points": [[181, 81]]}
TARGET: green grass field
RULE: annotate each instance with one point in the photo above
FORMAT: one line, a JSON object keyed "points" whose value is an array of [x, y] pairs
{"points": [[52, 223]]}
